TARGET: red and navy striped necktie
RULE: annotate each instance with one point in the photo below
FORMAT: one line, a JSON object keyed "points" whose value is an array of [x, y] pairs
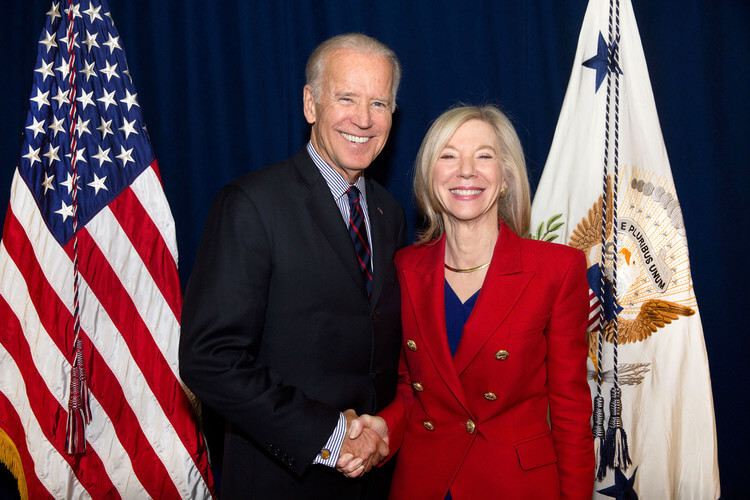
{"points": [[358, 233]]}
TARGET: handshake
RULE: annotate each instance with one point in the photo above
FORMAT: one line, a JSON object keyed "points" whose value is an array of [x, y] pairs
{"points": [[365, 444]]}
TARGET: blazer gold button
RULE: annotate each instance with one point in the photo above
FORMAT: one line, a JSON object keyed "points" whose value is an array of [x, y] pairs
{"points": [[502, 355], [411, 345], [417, 387], [470, 426], [428, 425], [490, 396]]}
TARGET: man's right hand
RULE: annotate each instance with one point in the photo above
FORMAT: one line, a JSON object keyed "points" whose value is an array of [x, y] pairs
{"points": [[365, 444]]}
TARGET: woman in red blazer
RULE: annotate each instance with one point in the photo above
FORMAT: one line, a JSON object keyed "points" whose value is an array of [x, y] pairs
{"points": [[493, 400]]}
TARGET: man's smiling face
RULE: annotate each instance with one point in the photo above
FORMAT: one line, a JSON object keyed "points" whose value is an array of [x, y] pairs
{"points": [[352, 117]]}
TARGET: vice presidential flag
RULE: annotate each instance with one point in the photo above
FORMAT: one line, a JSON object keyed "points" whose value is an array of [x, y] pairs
{"points": [[89, 285], [607, 189]]}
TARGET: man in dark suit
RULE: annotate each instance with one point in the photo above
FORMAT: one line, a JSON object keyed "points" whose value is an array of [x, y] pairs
{"points": [[290, 325]]}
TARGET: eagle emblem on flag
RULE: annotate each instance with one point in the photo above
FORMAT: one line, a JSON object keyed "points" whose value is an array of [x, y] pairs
{"points": [[642, 304]]}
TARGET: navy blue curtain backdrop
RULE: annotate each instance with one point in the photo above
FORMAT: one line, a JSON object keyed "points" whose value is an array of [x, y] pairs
{"points": [[220, 84]]}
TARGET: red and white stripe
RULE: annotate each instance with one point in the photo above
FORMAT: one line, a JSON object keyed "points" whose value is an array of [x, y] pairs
{"points": [[143, 440], [594, 312]]}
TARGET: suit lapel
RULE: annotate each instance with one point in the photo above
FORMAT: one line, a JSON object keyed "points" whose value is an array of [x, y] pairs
{"points": [[378, 234], [425, 283], [326, 215], [502, 288]]}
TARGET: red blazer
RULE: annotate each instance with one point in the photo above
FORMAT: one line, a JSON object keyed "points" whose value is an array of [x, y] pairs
{"points": [[508, 416]]}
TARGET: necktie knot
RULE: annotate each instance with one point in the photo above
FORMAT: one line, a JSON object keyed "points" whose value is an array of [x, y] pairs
{"points": [[353, 194]]}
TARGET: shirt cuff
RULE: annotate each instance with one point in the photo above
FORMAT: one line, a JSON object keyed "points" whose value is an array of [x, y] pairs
{"points": [[329, 455]]}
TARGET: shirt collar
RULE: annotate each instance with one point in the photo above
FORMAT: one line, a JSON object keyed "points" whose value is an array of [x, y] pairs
{"points": [[336, 182]]}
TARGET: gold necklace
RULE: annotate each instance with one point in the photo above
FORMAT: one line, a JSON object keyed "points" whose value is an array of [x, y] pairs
{"points": [[469, 270]]}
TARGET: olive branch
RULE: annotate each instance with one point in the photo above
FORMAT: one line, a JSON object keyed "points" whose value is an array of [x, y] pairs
{"points": [[547, 235]]}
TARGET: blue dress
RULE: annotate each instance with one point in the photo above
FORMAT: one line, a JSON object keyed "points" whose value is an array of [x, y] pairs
{"points": [[456, 315]]}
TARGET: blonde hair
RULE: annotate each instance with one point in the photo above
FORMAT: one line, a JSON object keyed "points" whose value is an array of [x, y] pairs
{"points": [[514, 208], [356, 42]]}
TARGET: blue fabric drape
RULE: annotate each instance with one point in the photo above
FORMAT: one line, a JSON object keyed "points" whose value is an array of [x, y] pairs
{"points": [[220, 85]]}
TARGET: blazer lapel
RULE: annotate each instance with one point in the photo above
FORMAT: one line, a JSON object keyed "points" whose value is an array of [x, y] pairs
{"points": [[425, 283], [326, 215], [502, 288]]}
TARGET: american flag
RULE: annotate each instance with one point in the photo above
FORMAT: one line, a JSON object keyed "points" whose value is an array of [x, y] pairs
{"points": [[85, 132]]}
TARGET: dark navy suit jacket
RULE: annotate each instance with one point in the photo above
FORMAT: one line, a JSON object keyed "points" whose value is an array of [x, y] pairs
{"points": [[278, 334]]}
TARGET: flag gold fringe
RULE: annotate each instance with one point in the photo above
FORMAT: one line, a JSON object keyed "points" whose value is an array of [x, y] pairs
{"points": [[10, 458]]}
